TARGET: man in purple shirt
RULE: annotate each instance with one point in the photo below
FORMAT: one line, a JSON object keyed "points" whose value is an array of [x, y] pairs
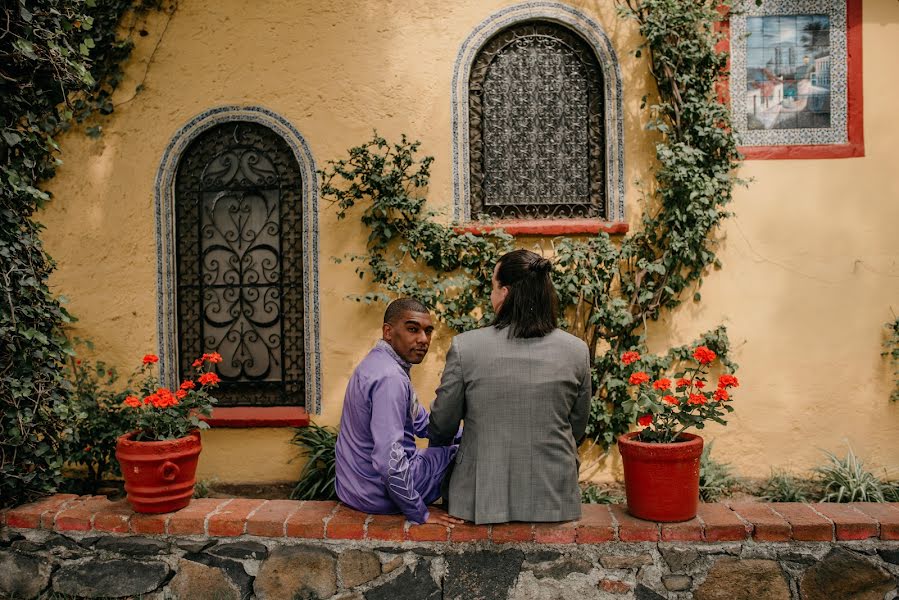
{"points": [[379, 469]]}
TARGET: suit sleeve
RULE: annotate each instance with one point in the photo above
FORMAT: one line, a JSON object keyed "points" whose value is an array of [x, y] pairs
{"points": [[449, 405], [389, 407], [580, 412]]}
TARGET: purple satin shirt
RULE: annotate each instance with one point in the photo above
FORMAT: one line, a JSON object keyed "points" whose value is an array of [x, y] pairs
{"points": [[379, 470]]}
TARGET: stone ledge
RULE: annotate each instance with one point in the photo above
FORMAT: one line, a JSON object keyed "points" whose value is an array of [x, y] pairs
{"points": [[732, 521]]}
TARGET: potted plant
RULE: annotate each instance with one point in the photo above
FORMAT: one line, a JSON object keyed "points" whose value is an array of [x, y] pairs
{"points": [[661, 460], [159, 456]]}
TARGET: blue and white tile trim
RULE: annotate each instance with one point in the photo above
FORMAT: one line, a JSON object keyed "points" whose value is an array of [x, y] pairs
{"points": [[167, 315], [837, 133], [587, 28]]}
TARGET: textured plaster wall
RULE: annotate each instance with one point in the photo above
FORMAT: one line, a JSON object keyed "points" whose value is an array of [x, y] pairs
{"points": [[810, 261]]}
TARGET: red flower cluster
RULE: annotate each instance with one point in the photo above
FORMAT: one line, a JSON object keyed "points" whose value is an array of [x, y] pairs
{"points": [[208, 379], [697, 399], [662, 384], [687, 404], [150, 359], [132, 401], [187, 384], [728, 381], [630, 357], [638, 378], [703, 355], [163, 398], [212, 357]]}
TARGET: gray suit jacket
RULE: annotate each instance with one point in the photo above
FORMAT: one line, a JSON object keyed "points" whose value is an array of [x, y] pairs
{"points": [[525, 403]]}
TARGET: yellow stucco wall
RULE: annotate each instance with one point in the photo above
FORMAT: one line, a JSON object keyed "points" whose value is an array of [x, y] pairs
{"points": [[810, 259]]}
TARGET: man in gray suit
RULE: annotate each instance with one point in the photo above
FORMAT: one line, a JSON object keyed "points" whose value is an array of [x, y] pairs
{"points": [[523, 387]]}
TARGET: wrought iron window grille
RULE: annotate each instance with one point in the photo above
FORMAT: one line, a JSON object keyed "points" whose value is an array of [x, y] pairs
{"points": [[240, 263], [536, 126]]}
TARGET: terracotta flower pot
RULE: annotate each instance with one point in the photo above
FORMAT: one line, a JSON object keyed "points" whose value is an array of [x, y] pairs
{"points": [[661, 480], [159, 476]]}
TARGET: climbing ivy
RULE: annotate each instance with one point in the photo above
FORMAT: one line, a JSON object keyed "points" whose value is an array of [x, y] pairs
{"points": [[891, 351], [59, 64], [610, 290]]}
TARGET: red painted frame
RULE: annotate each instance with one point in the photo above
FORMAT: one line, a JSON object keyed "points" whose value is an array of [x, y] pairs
{"points": [[855, 127], [258, 416], [546, 228]]}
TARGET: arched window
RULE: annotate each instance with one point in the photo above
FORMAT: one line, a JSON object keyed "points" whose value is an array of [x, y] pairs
{"points": [[536, 125], [239, 262]]}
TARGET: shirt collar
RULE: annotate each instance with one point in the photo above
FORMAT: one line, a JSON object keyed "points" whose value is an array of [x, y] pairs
{"points": [[389, 350]]}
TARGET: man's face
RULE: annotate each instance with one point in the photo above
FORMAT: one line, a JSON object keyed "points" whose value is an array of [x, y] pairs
{"points": [[410, 335]]}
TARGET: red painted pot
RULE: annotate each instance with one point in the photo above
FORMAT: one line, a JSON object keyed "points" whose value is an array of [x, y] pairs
{"points": [[159, 476], [661, 480]]}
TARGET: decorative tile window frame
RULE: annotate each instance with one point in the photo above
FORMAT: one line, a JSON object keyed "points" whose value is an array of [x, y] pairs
{"points": [[845, 137], [166, 269], [590, 31]]}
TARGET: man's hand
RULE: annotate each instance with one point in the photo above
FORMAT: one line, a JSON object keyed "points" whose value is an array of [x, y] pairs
{"points": [[439, 516]]}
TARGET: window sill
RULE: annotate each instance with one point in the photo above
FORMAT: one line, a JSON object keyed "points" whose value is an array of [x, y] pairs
{"points": [[547, 228], [258, 416]]}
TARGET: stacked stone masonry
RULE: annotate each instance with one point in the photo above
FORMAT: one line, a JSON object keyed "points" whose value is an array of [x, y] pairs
{"points": [[72, 547]]}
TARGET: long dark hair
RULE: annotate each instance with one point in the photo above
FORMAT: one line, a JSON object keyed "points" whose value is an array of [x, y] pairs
{"points": [[531, 306]]}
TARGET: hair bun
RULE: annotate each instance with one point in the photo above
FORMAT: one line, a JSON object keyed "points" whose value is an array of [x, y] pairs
{"points": [[541, 265]]}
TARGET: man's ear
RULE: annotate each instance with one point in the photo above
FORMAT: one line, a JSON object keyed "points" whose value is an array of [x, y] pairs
{"points": [[387, 332]]}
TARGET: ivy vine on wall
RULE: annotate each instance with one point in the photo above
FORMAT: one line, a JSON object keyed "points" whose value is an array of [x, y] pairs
{"points": [[609, 290], [891, 351], [60, 61]]}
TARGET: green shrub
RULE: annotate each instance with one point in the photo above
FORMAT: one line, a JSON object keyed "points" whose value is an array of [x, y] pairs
{"points": [[97, 419], [716, 480], [847, 480], [594, 494], [317, 444], [784, 487]]}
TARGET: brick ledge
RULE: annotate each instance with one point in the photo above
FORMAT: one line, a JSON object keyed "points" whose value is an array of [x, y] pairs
{"points": [[730, 521]]}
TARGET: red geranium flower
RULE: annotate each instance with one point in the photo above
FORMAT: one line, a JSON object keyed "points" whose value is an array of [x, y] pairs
{"points": [[728, 381], [630, 357], [670, 399], [662, 384], [683, 382], [187, 384], [699, 383], [644, 421], [197, 363], [721, 395], [213, 357], [149, 359], [638, 378], [697, 399], [132, 401], [703, 355], [208, 379]]}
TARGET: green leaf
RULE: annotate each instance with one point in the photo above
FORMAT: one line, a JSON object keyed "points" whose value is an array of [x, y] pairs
{"points": [[26, 48]]}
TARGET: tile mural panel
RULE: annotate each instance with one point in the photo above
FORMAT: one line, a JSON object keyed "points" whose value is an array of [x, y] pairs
{"points": [[789, 73]]}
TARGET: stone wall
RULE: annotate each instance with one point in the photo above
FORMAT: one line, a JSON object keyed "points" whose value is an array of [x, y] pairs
{"points": [[69, 546]]}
